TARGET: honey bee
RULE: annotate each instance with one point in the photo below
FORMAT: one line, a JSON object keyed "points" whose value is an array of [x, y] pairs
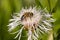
{"points": [[26, 14]]}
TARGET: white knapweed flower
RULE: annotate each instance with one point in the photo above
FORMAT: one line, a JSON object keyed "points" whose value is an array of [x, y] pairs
{"points": [[35, 21]]}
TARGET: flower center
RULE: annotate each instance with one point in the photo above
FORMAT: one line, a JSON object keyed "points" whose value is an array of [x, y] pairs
{"points": [[27, 19]]}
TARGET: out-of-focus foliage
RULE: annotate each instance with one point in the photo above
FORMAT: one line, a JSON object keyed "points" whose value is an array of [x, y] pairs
{"points": [[8, 7]]}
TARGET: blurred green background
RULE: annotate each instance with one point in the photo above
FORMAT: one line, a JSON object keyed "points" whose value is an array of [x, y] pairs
{"points": [[8, 7]]}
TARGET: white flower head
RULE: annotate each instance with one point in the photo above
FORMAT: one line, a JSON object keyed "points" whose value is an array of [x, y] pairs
{"points": [[34, 21]]}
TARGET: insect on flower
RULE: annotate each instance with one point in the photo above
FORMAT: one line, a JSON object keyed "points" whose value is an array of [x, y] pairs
{"points": [[35, 21]]}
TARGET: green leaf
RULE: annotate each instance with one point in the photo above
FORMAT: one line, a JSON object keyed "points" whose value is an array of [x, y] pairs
{"points": [[28, 3], [38, 3], [17, 4], [5, 15], [49, 4], [57, 22]]}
